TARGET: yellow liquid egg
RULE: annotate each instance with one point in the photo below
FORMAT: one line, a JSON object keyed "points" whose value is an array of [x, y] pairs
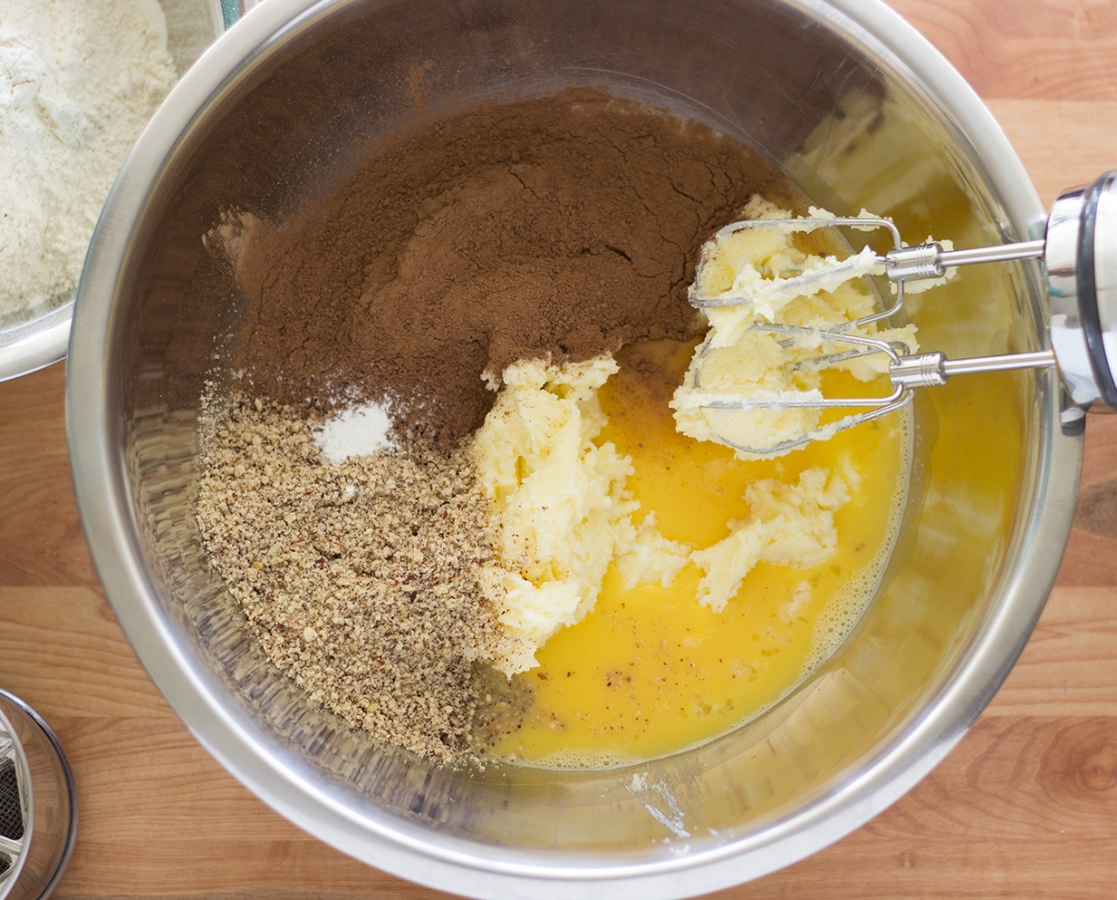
{"points": [[650, 671]]}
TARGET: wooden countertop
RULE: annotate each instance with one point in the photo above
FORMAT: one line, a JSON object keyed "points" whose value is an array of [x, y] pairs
{"points": [[1025, 806]]}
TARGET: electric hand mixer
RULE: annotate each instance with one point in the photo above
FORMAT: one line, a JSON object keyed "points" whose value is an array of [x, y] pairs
{"points": [[1079, 259]]}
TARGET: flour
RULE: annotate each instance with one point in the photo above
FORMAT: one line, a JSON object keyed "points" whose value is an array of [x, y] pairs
{"points": [[78, 81]]}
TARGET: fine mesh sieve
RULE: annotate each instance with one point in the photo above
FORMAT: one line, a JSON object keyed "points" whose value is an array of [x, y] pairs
{"points": [[11, 809], [38, 807], [12, 812]]}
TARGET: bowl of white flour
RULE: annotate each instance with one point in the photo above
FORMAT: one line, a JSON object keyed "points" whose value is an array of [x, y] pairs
{"points": [[79, 80]]}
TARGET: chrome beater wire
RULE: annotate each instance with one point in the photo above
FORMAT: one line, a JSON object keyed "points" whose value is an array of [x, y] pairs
{"points": [[859, 261], [905, 371]]}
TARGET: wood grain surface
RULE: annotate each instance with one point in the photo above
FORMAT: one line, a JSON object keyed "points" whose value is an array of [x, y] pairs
{"points": [[1025, 806]]}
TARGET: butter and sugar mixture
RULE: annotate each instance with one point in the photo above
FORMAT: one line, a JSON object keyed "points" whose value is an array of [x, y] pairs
{"points": [[729, 580], [563, 513], [741, 357]]}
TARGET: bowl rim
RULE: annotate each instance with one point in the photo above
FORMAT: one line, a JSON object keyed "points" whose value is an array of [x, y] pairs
{"points": [[448, 864], [36, 343]]}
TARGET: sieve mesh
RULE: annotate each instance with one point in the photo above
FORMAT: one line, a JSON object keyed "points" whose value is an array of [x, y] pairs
{"points": [[11, 812]]}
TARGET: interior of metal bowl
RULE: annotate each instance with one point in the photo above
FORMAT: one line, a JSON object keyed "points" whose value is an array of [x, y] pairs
{"points": [[820, 92]]}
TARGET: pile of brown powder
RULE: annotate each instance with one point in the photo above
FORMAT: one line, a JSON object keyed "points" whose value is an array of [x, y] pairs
{"points": [[359, 579], [565, 225]]}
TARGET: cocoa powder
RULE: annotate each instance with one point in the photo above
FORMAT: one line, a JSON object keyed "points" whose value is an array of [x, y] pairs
{"points": [[562, 226]]}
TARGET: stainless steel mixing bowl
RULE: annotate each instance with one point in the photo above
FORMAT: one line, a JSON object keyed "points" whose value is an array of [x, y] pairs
{"points": [[854, 105]]}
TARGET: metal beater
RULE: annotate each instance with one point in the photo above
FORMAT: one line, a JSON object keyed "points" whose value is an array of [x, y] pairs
{"points": [[1079, 258]]}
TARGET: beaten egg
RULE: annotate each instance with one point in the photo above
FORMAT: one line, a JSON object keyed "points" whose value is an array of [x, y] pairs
{"points": [[651, 671]]}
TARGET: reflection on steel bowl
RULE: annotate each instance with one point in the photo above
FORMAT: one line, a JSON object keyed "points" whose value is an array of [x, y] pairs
{"points": [[828, 90]]}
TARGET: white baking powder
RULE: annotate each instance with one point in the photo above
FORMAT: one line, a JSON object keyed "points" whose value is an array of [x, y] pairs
{"points": [[359, 431], [78, 81]]}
